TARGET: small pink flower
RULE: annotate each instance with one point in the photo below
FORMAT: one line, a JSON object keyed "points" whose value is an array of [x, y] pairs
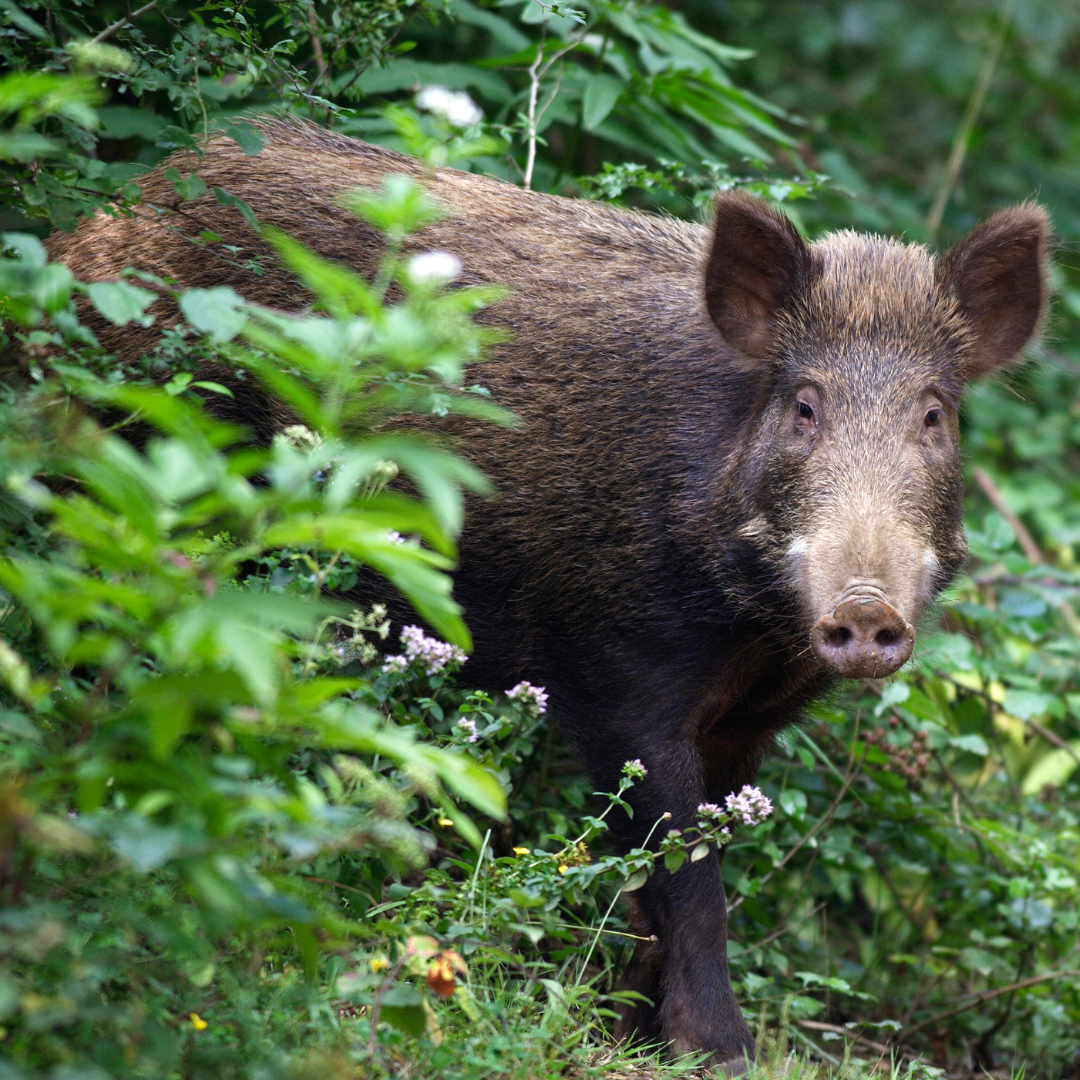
{"points": [[528, 694], [433, 655], [751, 805]]}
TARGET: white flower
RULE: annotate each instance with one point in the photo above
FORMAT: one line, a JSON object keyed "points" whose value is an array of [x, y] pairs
{"points": [[434, 267], [751, 805], [528, 694], [395, 537], [469, 726], [453, 106], [432, 654]]}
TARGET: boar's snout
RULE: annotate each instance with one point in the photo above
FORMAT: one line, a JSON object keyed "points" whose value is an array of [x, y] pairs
{"points": [[864, 636]]}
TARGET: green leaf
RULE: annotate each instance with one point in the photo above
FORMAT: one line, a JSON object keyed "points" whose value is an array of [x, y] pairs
{"points": [[1027, 704], [225, 198], [672, 861], [22, 21], [1052, 769], [187, 187], [601, 94], [144, 845], [220, 313], [410, 1019], [246, 137], [971, 744], [121, 302]]}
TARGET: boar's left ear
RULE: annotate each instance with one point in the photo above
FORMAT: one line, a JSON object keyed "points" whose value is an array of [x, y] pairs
{"points": [[998, 275], [757, 263]]}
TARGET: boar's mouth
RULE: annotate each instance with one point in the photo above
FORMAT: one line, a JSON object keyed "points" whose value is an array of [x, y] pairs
{"points": [[863, 636]]}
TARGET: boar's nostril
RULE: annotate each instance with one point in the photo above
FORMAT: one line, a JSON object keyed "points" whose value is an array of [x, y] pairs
{"points": [[863, 637]]}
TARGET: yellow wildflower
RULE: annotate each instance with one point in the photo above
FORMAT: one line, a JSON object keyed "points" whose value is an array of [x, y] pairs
{"points": [[379, 963], [563, 868], [446, 822], [198, 1023], [521, 851]]}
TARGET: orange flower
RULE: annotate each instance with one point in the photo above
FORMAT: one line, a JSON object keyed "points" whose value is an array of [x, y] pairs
{"points": [[440, 973], [440, 977]]}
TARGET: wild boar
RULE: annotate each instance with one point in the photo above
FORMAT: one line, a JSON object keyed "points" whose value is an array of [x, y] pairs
{"points": [[737, 476]]}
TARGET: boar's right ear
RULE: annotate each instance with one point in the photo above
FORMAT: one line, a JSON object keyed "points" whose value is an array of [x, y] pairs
{"points": [[998, 275], [757, 262]]}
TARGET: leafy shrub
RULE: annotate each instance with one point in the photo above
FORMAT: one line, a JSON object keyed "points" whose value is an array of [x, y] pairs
{"points": [[269, 870]]}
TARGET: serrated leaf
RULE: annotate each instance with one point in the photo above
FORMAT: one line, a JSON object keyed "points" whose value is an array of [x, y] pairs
{"points": [[220, 313], [246, 137], [121, 302], [971, 744], [673, 860], [187, 187]]}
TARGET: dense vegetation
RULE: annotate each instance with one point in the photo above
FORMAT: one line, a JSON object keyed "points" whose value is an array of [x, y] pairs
{"points": [[235, 838]]}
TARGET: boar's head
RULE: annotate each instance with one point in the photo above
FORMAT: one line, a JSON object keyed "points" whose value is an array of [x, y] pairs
{"points": [[859, 347]]}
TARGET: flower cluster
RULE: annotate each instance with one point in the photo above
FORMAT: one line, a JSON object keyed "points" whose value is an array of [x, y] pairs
{"points": [[433, 655], [469, 727], [751, 805], [634, 770], [528, 694], [453, 106]]}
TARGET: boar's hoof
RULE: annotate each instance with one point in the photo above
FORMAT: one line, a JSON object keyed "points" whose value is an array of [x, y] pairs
{"points": [[863, 638]]}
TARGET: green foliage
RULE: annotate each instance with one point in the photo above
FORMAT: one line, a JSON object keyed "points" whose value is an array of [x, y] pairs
{"points": [[231, 838]]}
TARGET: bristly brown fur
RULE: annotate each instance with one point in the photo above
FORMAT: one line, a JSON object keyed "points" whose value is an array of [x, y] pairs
{"points": [[723, 433]]}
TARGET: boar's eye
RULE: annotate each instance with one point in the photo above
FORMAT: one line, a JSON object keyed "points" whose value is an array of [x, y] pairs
{"points": [[932, 417], [806, 412]]}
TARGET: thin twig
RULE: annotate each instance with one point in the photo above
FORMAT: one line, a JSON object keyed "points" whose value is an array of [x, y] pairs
{"points": [[121, 23], [993, 493], [817, 1025], [785, 929], [376, 1005], [537, 70], [989, 995], [1031, 550], [316, 46], [1056, 740], [963, 135]]}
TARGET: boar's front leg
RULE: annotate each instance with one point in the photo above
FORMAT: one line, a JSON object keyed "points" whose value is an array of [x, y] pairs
{"points": [[684, 971]]}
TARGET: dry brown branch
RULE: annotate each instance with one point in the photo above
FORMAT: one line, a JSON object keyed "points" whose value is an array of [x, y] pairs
{"points": [[1055, 740], [989, 995], [1026, 541], [997, 501], [112, 28], [967, 125]]}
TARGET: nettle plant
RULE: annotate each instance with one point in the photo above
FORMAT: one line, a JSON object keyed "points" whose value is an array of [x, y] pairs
{"points": [[165, 711]]}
